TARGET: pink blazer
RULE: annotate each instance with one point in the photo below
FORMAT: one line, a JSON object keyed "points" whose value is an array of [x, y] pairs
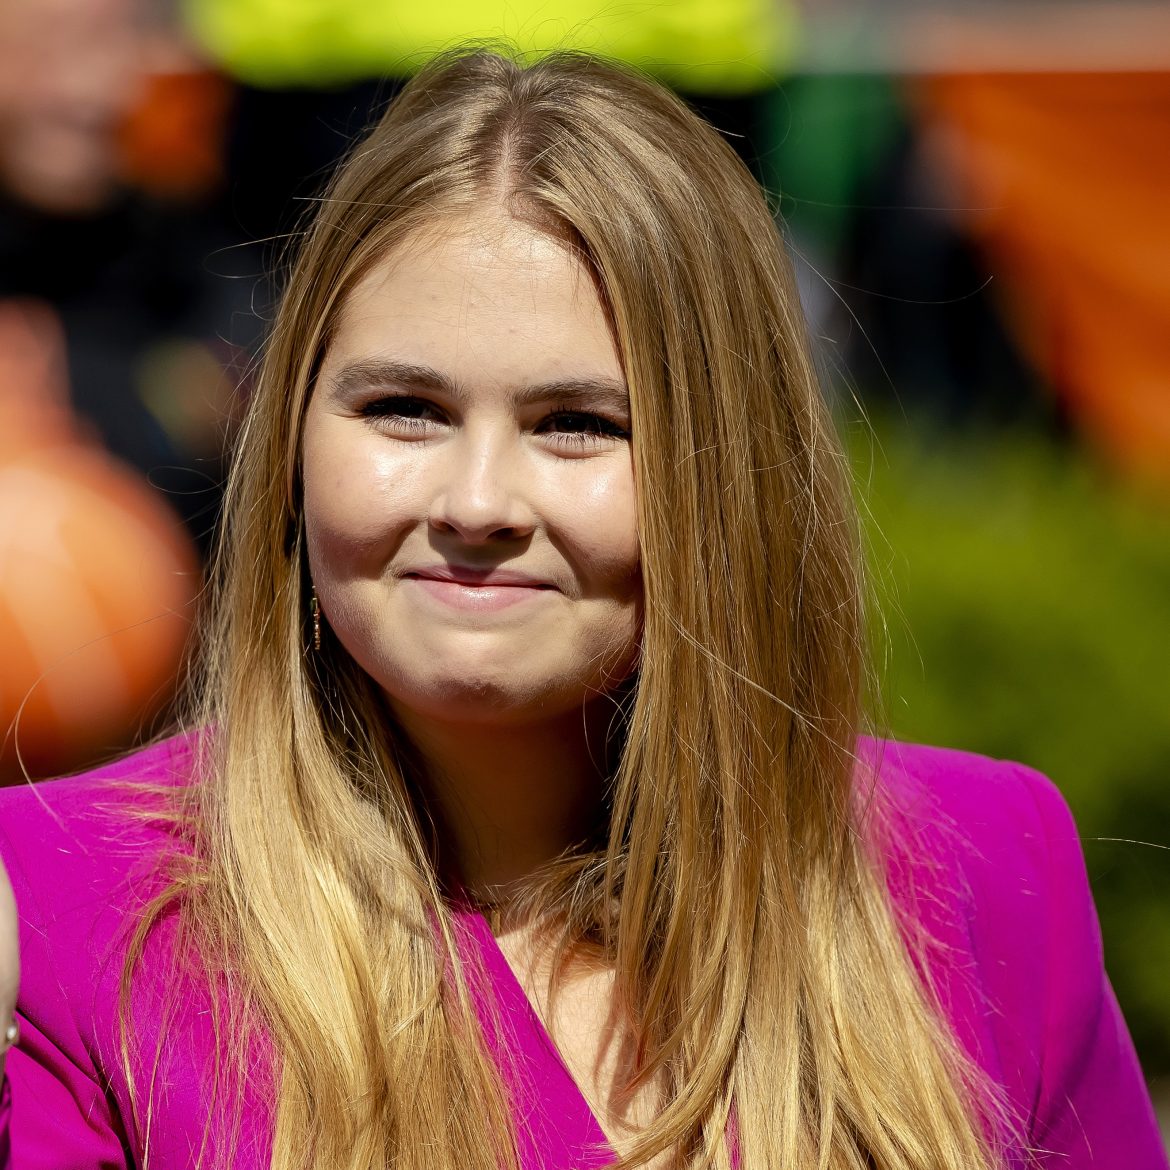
{"points": [[999, 880]]}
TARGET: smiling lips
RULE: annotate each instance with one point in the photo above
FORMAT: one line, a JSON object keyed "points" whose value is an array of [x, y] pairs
{"points": [[481, 590]]}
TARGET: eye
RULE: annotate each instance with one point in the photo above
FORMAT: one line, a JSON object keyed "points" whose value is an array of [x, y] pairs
{"points": [[402, 412], [580, 428]]}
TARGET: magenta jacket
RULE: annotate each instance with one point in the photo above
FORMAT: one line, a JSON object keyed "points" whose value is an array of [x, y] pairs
{"points": [[999, 882]]}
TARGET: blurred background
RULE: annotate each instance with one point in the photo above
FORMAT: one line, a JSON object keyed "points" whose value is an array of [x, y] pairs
{"points": [[976, 200]]}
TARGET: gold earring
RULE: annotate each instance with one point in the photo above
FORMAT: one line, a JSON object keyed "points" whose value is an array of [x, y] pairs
{"points": [[315, 610]]}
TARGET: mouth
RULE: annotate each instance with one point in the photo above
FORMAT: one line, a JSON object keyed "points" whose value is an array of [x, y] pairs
{"points": [[479, 595], [479, 579]]}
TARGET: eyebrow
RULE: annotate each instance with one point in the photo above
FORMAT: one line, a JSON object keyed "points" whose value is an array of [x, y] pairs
{"points": [[359, 376]]}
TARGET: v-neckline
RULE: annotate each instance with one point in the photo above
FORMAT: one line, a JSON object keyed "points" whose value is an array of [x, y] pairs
{"points": [[557, 1128]]}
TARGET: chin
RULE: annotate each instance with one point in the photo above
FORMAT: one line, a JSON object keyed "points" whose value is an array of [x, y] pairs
{"points": [[490, 698]]}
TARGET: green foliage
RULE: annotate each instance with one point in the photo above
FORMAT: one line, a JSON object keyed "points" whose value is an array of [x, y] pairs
{"points": [[1026, 600], [827, 134]]}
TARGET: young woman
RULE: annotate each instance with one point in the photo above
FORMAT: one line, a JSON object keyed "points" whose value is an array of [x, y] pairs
{"points": [[525, 819]]}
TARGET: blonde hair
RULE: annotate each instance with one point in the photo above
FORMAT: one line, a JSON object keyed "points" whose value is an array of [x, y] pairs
{"points": [[759, 966]]}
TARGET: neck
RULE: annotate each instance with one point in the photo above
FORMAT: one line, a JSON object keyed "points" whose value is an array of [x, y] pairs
{"points": [[510, 799]]}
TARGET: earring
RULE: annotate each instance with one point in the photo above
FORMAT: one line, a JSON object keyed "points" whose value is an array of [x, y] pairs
{"points": [[315, 610]]}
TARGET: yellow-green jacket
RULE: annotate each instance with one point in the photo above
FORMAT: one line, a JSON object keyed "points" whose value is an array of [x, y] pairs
{"points": [[723, 47]]}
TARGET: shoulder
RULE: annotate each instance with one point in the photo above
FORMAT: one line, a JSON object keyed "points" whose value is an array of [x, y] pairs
{"points": [[966, 847], [983, 793], [991, 840], [994, 829], [92, 827], [985, 850], [87, 855], [82, 853], [983, 856], [168, 762]]}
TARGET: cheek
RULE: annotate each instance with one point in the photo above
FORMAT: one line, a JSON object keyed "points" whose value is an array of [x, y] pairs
{"points": [[358, 500], [602, 526]]}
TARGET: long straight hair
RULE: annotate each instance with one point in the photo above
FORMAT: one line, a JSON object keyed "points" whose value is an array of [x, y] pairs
{"points": [[739, 896]]}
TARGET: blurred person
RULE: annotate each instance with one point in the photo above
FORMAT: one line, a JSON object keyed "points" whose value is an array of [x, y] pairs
{"points": [[96, 571], [96, 574], [69, 71], [125, 272], [523, 817]]}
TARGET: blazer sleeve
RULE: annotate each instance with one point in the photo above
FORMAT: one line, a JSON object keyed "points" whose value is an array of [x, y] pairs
{"points": [[1092, 1108], [59, 1113], [5, 1120]]}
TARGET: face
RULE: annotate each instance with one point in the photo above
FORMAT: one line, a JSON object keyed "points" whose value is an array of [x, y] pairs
{"points": [[70, 71], [468, 481]]}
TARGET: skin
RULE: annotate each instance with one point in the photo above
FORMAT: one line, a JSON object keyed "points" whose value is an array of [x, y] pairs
{"points": [[70, 71], [510, 452], [9, 956], [508, 708]]}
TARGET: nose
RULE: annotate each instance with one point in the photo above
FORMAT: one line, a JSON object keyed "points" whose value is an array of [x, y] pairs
{"points": [[482, 493]]}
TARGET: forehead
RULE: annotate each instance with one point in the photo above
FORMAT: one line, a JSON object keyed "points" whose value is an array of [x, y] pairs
{"points": [[489, 295]]}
